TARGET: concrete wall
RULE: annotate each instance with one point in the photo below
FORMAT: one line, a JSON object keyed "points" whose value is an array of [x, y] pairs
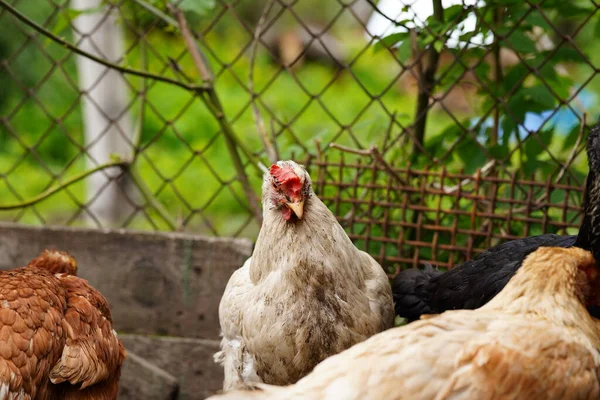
{"points": [[189, 360], [166, 284]]}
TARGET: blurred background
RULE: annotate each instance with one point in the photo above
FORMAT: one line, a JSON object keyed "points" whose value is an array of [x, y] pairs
{"points": [[431, 128]]}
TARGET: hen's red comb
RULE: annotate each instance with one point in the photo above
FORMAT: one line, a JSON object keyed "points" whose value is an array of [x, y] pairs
{"points": [[287, 177], [283, 175]]}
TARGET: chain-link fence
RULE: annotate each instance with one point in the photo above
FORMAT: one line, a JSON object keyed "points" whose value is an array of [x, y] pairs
{"points": [[432, 128]]}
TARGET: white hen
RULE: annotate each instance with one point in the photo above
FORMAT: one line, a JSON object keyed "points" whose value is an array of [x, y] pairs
{"points": [[305, 294]]}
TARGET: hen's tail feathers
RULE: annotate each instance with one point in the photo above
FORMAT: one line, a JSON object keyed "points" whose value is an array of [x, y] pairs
{"points": [[92, 353], [219, 357], [411, 297], [55, 261]]}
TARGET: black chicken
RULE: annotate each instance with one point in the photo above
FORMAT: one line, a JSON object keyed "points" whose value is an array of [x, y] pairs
{"points": [[473, 283]]}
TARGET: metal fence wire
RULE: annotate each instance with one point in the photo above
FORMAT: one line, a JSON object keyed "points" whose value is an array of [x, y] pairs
{"points": [[433, 129]]}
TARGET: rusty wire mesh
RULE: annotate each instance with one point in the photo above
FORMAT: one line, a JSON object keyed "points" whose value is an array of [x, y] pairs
{"points": [[436, 112], [406, 217]]}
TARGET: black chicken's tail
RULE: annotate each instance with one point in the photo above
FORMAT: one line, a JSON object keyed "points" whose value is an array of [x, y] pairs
{"points": [[411, 294]]}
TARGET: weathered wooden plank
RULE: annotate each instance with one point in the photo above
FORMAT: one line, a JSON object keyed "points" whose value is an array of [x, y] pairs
{"points": [[142, 380], [190, 360], [156, 283]]}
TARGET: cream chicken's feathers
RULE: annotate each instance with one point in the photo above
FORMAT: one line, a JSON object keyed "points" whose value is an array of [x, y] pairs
{"points": [[305, 294], [534, 340]]}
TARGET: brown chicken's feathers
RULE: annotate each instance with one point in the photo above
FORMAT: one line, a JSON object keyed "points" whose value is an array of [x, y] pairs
{"points": [[92, 350], [56, 336], [534, 340], [56, 262]]}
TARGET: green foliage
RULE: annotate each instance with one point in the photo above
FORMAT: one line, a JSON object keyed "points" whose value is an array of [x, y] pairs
{"points": [[199, 7], [531, 85], [391, 40]]}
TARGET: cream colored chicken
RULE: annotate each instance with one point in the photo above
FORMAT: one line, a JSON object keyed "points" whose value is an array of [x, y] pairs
{"points": [[305, 294], [534, 340]]}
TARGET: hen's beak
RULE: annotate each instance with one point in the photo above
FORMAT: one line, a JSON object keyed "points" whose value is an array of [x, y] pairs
{"points": [[297, 208]]}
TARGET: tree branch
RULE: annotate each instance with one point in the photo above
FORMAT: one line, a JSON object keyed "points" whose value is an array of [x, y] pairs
{"points": [[375, 154], [157, 13], [108, 64], [378, 11], [497, 76], [265, 138], [426, 88], [199, 60], [480, 172], [214, 105], [44, 195]]}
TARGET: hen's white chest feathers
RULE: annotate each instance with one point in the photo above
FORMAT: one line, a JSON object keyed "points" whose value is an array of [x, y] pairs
{"points": [[307, 293]]}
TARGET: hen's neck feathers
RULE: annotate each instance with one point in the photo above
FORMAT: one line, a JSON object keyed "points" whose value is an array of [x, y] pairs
{"points": [[304, 245], [589, 231], [552, 284], [589, 234]]}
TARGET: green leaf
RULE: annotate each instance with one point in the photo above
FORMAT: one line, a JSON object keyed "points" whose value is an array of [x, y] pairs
{"points": [[536, 19], [435, 145], [541, 95], [568, 10], [567, 54], [561, 85], [547, 72], [451, 74], [455, 13], [503, 2], [115, 157], [438, 46], [516, 108], [534, 148], [597, 29], [62, 23], [512, 16], [509, 127], [482, 71], [404, 51], [67, 15], [499, 151], [465, 37], [514, 77], [199, 7], [469, 151], [390, 41], [521, 43], [571, 138], [434, 25]]}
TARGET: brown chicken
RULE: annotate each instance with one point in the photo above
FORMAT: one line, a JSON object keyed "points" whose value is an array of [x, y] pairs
{"points": [[534, 340], [305, 294], [56, 336]]}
